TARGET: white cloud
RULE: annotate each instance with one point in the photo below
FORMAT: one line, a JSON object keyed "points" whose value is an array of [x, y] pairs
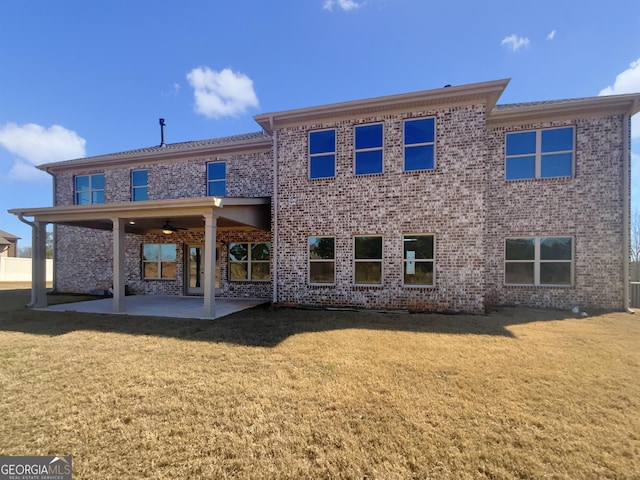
{"points": [[627, 82], [514, 42], [221, 94], [35, 144], [343, 4], [551, 35]]}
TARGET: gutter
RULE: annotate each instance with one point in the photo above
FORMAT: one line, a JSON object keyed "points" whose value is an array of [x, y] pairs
{"points": [[626, 210], [274, 276]]}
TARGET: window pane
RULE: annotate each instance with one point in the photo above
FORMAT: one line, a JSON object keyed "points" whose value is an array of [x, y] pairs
{"points": [[368, 272], [368, 162], [557, 139], [322, 142], [321, 272], [168, 269], [519, 273], [321, 248], [150, 253], [260, 251], [418, 158], [418, 273], [369, 136], [82, 198], [217, 189], [238, 270], [168, 252], [322, 166], [139, 194], [151, 270], [82, 183], [238, 252], [520, 249], [419, 131], [521, 143], [555, 248], [260, 271], [139, 178], [558, 165], [421, 246], [216, 171], [555, 273], [521, 167], [368, 247], [97, 182], [97, 197]]}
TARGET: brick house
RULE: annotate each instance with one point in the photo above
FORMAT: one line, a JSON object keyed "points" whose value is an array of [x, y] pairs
{"points": [[436, 200], [8, 244]]}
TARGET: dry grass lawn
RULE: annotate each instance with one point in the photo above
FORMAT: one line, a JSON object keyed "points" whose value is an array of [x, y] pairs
{"points": [[285, 393]]}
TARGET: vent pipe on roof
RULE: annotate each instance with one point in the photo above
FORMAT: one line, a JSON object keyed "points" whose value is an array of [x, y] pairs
{"points": [[162, 124]]}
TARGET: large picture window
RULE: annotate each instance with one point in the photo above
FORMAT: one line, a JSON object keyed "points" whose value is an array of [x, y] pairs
{"points": [[544, 153], [419, 260], [367, 269], [368, 142], [217, 179], [538, 261], [419, 144], [89, 189], [322, 260], [250, 261], [322, 154], [139, 185], [159, 260]]}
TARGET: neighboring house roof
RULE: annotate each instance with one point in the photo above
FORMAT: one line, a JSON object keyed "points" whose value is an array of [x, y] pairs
{"points": [[170, 151], [7, 236], [4, 241]]}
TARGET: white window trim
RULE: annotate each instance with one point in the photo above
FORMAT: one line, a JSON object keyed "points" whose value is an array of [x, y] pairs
{"points": [[368, 260], [538, 154], [159, 263], [373, 149], [537, 261], [423, 144], [222, 180], [249, 263], [90, 191], [321, 260], [139, 187], [310, 156], [433, 260]]}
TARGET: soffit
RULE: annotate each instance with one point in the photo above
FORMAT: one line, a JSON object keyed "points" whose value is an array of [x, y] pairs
{"points": [[486, 92]]}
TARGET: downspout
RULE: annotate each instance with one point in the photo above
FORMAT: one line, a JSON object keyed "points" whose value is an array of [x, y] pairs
{"points": [[274, 299], [626, 209], [32, 303], [55, 230]]}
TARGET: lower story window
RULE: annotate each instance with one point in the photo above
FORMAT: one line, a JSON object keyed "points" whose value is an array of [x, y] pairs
{"points": [[367, 268], [250, 261], [538, 261], [322, 260], [159, 260], [418, 260]]}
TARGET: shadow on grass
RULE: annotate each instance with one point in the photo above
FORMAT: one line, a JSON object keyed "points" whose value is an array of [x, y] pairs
{"points": [[263, 326]]}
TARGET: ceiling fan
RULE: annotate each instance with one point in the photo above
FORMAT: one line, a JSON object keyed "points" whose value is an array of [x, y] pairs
{"points": [[168, 229]]}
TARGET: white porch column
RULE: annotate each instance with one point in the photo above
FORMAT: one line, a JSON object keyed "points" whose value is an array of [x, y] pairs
{"points": [[39, 265], [119, 274], [210, 225]]}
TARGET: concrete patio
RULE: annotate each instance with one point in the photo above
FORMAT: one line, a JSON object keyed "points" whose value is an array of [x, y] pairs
{"points": [[159, 306]]}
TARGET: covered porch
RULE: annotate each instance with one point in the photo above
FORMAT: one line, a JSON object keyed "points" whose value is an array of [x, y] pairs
{"points": [[206, 215]]}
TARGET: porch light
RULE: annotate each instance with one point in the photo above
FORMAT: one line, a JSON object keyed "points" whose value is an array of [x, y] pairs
{"points": [[167, 231]]}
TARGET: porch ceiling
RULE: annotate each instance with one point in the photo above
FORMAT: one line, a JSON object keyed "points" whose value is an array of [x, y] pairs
{"points": [[150, 216]]}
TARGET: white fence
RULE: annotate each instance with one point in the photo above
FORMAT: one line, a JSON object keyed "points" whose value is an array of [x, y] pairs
{"points": [[635, 295], [19, 269]]}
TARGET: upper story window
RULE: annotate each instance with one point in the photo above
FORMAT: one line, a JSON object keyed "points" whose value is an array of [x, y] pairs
{"points": [[322, 260], [322, 154], [217, 179], [538, 261], [139, 185], [368, 143], [89, 189], [544, 153], [419, 144], [367, 268]]}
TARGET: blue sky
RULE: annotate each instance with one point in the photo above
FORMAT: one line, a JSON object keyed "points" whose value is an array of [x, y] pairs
{"points": [[82, 78]]}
